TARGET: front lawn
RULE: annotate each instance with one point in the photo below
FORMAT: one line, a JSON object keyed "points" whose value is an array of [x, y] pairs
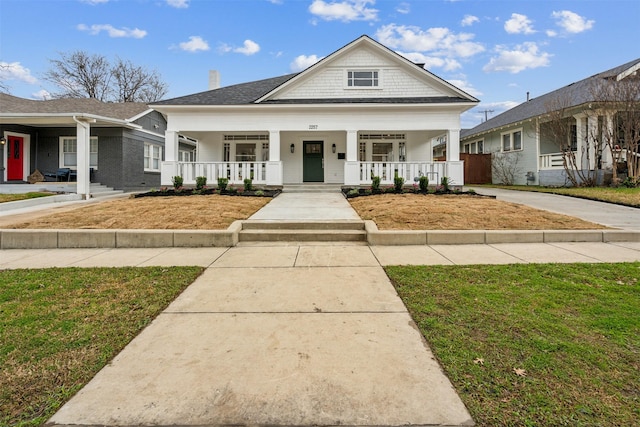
{"points": [[620, 195], [533, 345], [60, 326]]}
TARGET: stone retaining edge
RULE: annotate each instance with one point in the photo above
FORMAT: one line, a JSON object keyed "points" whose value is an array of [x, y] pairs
{"points": [[52, 239]]}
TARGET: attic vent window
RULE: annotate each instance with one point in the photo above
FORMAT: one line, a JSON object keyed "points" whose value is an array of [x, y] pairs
{"points": [[246, 137], [363, 79]]}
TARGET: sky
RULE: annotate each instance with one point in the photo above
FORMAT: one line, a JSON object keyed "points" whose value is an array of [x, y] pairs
{"points": [[495, 50]]}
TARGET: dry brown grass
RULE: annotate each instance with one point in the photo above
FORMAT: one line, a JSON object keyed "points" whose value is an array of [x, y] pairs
{"points": [[213, 212], [389, 211], [459, 212]]}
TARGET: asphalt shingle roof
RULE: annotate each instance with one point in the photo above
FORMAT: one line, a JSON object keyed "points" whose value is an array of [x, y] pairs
{"points": [[577, 93], [240, 94], [114, 110]]}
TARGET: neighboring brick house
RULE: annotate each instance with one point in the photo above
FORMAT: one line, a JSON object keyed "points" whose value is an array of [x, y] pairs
{"points": [[363, 110], [126, 140]]}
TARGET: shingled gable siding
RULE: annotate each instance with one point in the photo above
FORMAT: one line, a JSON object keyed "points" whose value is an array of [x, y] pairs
{"points": [[395, 82]]}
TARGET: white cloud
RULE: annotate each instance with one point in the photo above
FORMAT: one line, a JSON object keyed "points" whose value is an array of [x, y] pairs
{"points": [[345, 10], [571, 22], [440, 42], [42, 94], [448, 64], [195, 44], [403, 8], [276, 1], [15, 71], [469, 20], [551, 33], [464, 84], [519, 24], [523, 57], [178, 4], [94, 2], [95, 29], [248, 48], [302, 62]]}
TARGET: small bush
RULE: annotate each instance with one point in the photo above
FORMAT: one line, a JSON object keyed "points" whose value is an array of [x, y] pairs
{"points": [[248, 184], [375, 184], [222, 183], [260, 193], [201, 182], [353, 192], [398, 183], [423, 183], [445, 181], [177, 182]]}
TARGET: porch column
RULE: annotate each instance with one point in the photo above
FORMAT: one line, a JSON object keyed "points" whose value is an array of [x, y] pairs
{"points": [[352, 166], [274, 165], [83, 153], [582, 148], [594, 141], [170, 164], [455, 168]]}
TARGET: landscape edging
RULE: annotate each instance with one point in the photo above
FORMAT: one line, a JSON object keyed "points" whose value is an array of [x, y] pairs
{"points": [[90, 238]]}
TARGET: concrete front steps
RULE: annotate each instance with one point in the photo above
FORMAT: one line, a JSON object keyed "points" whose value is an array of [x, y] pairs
{"points": [[100, 190], [302, 231]]}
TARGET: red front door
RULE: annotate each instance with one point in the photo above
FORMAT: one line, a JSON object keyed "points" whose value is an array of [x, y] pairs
{"points": [[15, 155]]}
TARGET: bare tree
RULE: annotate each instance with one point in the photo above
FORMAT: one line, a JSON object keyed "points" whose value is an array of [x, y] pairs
{"points": [[135, 84], [81, 75], [4, 88], [618, 108], [505, 167], [558, 126]]}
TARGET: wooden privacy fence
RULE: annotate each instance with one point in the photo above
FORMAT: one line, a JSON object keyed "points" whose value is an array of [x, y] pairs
{"points": [[477, 168]]}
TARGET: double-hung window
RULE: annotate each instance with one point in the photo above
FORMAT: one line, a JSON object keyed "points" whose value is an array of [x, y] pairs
{"points": [[512, 141], [152, 157], [69, 152], [363, 79]]}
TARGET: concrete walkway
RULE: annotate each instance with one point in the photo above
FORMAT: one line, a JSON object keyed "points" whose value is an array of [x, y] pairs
{"points": [[608, 214]]}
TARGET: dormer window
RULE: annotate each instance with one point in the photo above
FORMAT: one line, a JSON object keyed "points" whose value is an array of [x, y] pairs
{"points": [[363, 79]]}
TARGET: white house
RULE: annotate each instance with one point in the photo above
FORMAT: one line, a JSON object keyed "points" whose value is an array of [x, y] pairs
{"points": [[362, 111]]}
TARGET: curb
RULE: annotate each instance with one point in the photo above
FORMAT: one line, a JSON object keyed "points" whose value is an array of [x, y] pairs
{"points": [[59, 239]]}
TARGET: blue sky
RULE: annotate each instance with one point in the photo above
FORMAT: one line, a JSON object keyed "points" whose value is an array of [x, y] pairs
{"points": [[495, 50]]}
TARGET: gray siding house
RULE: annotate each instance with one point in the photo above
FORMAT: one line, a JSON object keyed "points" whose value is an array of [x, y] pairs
{"points": [[126, 141], [518, 135]]}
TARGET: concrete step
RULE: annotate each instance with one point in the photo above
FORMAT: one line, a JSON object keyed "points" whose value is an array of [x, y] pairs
{"points": [[105, 193], [302, 225], [311, 188], [302, 236]]}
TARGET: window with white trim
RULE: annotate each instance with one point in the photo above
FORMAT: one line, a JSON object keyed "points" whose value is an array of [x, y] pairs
{"points": [[363, 79], [69, 152], [152, 157], [187, 156], [512, 141]]}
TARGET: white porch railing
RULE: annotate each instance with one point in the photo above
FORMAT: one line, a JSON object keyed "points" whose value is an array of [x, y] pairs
{"points": [[387, 171], [235, 172], [550, 161]]}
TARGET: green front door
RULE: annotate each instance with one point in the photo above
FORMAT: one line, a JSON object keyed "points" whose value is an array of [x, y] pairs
{"points": [[313, 161]]}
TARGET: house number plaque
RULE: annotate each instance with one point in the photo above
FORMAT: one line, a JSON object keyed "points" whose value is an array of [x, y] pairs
{"points": [[313, 127]]}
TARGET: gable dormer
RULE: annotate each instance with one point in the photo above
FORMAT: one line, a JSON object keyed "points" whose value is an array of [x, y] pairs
{"points": [[363, 70]]}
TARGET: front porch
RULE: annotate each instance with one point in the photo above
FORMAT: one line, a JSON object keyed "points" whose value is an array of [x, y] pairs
{"points": [[237, 172]]}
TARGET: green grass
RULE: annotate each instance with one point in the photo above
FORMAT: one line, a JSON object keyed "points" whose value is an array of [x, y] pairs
{"points": [[573, 328], [22, 196], [60, 326], [621, 195]]}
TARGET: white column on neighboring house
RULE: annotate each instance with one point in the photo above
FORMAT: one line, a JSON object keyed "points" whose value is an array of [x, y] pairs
{"points": [[83, 155], [352, 166], [274, 165], [582, 154], [595, 141], [607, 157], [170, 164], [455, 168]]}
